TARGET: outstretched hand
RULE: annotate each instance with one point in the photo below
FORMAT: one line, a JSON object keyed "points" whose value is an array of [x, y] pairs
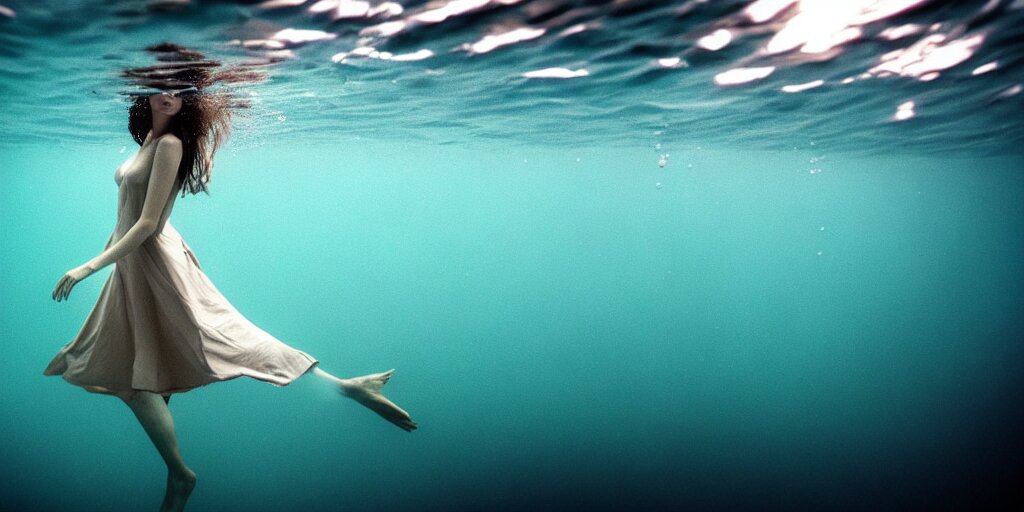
{"points": [[69, 280]]}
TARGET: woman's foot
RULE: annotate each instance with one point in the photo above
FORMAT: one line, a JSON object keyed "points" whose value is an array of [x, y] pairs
{"points": [[179, 487], [366, 390]]}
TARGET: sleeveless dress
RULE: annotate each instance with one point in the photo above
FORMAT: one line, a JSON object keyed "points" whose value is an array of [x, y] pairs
{"points": [[159, 324]]}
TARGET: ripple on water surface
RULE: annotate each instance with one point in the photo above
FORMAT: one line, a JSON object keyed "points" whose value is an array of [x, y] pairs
{"points": [[859, 75]]}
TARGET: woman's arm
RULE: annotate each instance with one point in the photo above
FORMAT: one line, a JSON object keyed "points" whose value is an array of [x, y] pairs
{"points": [[161, 181]]}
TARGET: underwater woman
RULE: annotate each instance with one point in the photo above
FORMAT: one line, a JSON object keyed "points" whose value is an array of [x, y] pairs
{"points": [[160, 326]]}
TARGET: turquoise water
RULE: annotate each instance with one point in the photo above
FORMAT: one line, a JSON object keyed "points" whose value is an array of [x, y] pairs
{"points": [[828, 320], [564, 332]]}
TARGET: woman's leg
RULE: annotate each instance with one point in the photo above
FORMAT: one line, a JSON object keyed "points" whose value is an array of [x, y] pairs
{"points": [[366, 391], [151, 410]]}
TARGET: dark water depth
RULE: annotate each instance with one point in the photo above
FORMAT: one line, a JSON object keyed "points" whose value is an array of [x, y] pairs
{"points": [[623, 255]]}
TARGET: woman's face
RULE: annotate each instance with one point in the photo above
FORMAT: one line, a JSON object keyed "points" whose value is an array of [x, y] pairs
{"points": [[165, 103]]}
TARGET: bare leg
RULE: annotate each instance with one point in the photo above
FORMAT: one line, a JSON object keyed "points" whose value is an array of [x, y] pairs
{"points": [[152, 412], [366, 391]]}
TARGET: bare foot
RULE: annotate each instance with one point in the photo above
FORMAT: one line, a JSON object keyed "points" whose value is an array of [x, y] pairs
{"points": [[366, 390], [179, 487]]}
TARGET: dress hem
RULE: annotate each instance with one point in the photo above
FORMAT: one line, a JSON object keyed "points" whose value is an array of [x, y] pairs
{"points": [[125, 394]]}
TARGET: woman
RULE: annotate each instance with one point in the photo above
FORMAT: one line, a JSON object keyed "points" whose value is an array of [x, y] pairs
{"points": [[160, 326]]}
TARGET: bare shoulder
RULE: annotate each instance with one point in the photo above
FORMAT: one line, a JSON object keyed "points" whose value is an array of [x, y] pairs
{"points": [[169, 141], [168, 151]]}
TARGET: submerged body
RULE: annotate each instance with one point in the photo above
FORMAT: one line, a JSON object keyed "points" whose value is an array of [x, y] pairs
{"points": [[160, 324]]}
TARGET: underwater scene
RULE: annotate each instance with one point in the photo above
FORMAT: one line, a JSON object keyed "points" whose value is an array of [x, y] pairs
{"points": [[636, 255]]}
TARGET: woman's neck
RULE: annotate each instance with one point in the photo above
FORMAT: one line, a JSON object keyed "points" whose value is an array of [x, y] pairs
{"points": [[161, 124]]}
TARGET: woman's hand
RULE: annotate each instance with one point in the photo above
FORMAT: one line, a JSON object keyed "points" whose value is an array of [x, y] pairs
{"points": [[69, 280]]}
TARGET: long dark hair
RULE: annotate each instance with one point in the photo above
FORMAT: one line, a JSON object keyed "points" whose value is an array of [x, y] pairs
{"points": [[204, 121]]}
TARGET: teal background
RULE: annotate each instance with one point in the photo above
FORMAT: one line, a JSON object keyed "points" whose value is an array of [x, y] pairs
{"points": [[567, 334]]}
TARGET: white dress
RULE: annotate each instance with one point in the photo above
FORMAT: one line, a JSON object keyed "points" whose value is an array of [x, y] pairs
{"points": [[159, 323]]}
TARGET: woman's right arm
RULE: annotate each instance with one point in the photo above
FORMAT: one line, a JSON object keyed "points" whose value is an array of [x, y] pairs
{"points": [[161, 181]]}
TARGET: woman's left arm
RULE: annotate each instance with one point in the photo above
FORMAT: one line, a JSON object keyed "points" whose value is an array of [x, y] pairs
{"points": [[158, 192]]}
